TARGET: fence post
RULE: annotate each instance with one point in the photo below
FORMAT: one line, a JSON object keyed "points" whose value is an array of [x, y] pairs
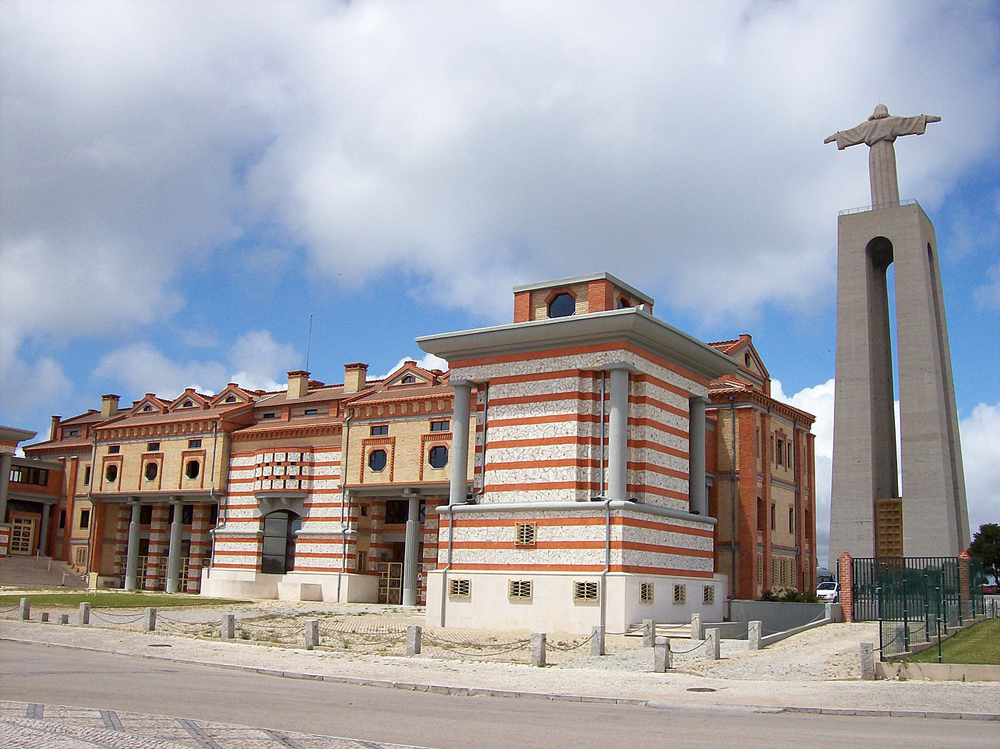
{"points": [[414, 639], [149, 622], [227, 628], [712, 635], [311, 633], [906, 616], [753, 635], [867, 661], [964, 586], [878, 612], [597, 641], [661, 655], [927, 608], [537, 648], [648, 633], [64, 618], [697, 630], [83, 614], [24, 609], [846, 578], [43, 617]]}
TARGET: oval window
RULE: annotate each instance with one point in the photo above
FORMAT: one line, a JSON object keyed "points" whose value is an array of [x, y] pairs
{"points": [[438, 456], [377, 460], [111, 472], [192, 469], [562, 305], [151, 471]]}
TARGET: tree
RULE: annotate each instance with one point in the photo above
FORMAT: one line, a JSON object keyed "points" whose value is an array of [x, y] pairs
{"points": [[985, 546]]}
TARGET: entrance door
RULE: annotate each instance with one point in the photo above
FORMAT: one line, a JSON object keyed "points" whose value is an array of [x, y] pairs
{"points": [[22, 533], [390, 582]]}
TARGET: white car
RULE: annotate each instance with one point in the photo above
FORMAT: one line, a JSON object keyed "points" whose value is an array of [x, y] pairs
{"points": [[828, 592]]}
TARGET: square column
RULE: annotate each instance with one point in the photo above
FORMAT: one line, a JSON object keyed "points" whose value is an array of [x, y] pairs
{"points": [[132, 553], [174, 550]]}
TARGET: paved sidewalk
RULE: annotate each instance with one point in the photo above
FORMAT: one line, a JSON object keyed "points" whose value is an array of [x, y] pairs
{"points": [[25, 725]]}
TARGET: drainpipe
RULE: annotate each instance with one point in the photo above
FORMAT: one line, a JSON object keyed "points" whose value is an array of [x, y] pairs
{"points": [[732, 495], [607, 564], [447, 566], [344, 495], [604, 381]]}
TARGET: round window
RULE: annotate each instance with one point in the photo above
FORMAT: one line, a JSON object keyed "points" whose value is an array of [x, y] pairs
{"points": [[151, 471], [562, 305], [192, 469], [377, 460], [438, 456], [111, 472]]}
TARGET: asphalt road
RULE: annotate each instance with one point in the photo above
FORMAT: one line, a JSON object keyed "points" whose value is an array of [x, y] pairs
{"points": [[58, 676]]}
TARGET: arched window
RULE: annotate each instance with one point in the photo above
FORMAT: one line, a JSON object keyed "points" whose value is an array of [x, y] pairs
{"points": [[278, 553], [377, 460], [438, 456], [562, 305]]}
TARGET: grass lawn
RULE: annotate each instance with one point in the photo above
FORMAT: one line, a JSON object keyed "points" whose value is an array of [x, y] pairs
{"points": [[979, 644], [114, 600]]}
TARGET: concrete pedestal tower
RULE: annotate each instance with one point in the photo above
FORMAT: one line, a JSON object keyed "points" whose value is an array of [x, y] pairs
{"points": [[869, 514]]}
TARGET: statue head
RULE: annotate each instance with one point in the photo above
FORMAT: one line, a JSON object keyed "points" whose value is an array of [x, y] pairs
{"points": [[881, 110]]}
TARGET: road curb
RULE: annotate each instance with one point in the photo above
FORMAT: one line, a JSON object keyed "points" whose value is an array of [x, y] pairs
{"points": [[515, 694]]}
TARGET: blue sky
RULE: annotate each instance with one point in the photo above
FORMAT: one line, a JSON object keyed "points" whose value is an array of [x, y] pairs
{"points": [[183, 186]]}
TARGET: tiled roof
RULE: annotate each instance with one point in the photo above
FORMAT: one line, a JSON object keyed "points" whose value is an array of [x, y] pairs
{"points": [[89, 417], [280, 398], [406, 393], [724, 346], [193, 414]]}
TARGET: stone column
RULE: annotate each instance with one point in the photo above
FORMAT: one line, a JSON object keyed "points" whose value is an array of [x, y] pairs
{"points": [[4, 481], [43, 531], [846, 580], [698, 503], [174, 550], [411, 558], [132, 553], [618, 434], [461, 409]]}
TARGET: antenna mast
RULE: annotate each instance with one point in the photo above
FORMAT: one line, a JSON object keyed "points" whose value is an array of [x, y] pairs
{"points": [[309, 341]]}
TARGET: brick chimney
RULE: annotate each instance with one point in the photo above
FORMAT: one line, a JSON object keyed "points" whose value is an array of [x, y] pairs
{"points": [[298, 383], [109, 405], [54, 427], [355, 377]]}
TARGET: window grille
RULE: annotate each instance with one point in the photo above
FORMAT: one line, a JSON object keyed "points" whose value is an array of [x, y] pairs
{"points": [[645, 592], [460, 588], [708, 594], [774, 571], [81, 556], [680, 594], [520, 589], [760, 570], [524, 534], [586, 591]]}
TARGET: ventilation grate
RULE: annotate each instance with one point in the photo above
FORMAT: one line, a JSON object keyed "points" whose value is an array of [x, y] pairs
{"points": [[585, 591], [460, 588], [519, 589], [646, 592], [524, 534], [680, 594]]}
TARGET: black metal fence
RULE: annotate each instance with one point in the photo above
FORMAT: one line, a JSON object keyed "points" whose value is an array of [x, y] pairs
{"points": [[917, 599]]}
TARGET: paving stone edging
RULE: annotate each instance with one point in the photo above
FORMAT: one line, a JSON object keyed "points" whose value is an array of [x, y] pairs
{"points": [[508, 693]]}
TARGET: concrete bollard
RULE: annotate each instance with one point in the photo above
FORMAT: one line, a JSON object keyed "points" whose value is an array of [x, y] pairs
{"points": [[597, 641], [867, 661], [648, 633], [149, 622], [64, 618], [712, 635], [227, 628], [537, 648], [44, 617], [697, 629], [83, 614], [414, 639], [312, 633], [661, 655], [24, 609], [754, 630]]}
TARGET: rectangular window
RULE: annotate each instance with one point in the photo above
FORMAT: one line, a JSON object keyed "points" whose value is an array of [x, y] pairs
{"points": [[772, 516], [379, 430], [524, 534], [62, 518], [680, 593], [145, 514], [86, 475], [646, 592], [708, 594], [269, 415], [114, 449], [81, 556], [187, 514], [791, 520], [519, 589], [440, 426], [152, 447], [460, 588], [586, 591], [73, 433], [194, 444], [774, 572], [29, 475], [791, 454], [779, 453], [84, 518], [310, 412], [760, 570], [213, 515]]}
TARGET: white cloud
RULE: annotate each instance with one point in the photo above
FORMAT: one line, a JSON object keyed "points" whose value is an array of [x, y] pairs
{"points": [[257, 362], [25, 386], [981, 456], [427, 361], [987, 295]]}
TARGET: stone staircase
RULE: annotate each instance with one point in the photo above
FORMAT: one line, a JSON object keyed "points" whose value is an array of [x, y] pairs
{"points": [[37, 572]]}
